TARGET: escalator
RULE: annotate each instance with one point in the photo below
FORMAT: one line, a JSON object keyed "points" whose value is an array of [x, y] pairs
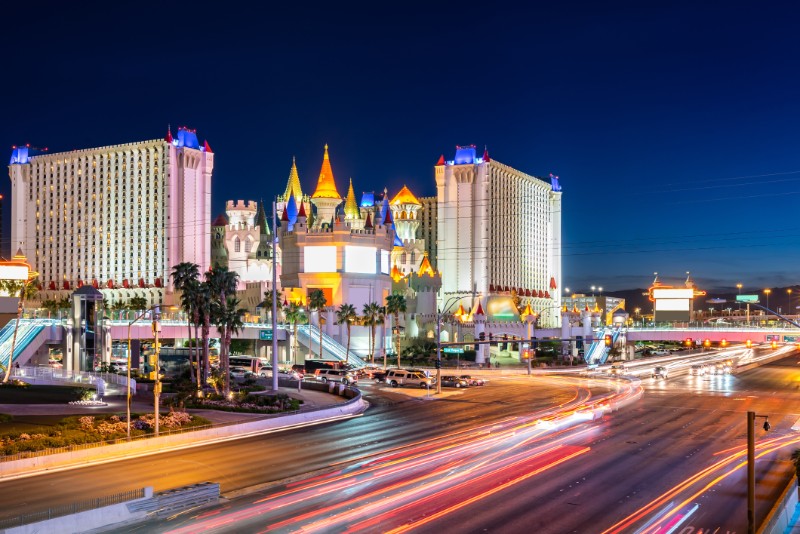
{"points": [[308, 336], [598, 351], [31, 335]]}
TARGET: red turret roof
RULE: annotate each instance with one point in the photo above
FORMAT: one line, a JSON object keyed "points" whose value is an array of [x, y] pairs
{"points": [[220, 220], [368, 224], [547, 294], [207, 147], [388, 219], [285, 215], [302, 212], [441, 160], [486, 155], [168, 138], [479, 309], [553, 283]]}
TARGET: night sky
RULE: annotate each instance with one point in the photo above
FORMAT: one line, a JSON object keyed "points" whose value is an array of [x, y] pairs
{"points": [[674, 127]]}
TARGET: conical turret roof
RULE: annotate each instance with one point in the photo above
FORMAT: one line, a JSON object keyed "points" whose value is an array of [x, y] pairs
{"points": [[293, 185], [405, 196], [425, 267], [261, 219], [326, 187], [350, 205]]}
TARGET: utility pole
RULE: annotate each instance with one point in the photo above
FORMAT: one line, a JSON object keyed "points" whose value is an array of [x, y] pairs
{"points": [[751, 469], [275, 299], [438, 351]]}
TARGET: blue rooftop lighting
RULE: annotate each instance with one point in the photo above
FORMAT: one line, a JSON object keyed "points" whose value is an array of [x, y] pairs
{"points": [[291, 210], [187, 138], [554, 183], [367, 199], [465, 155], [19, 156]]}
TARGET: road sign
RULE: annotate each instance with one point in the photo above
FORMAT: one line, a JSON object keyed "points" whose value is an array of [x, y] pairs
{"points": [[453, 350], [790, 339], [747, 298], [265, 335]]}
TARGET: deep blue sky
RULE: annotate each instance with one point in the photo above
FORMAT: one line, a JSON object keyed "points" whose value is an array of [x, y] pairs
{"points": [[674, 126]]}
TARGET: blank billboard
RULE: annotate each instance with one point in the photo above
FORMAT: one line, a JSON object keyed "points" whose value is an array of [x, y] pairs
{"points": [[360, 260], [319, 259]]}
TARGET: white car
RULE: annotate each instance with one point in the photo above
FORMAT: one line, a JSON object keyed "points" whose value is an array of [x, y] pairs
{"points": [[240, 372]]}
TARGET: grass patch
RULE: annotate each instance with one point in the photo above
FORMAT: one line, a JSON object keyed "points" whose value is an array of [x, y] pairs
{"points": [[39, 394]]}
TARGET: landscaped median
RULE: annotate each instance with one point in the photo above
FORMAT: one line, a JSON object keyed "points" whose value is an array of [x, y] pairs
{"points": [[76, 458]]}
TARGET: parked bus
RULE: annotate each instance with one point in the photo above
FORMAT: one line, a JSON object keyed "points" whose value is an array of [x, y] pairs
{"points": [[251, 363]]}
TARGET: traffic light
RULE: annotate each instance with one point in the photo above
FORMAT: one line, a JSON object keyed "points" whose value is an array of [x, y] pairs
{"points": [[706, 342], [688, 342], [438, 363], [505, 337], [491, 336], [482, 336], [609, 340], [774, 344], [748, 343], [723, 343]]}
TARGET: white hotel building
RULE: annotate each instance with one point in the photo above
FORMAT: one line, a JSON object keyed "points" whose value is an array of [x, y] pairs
{"points": [[498, 233], [117, 217]]}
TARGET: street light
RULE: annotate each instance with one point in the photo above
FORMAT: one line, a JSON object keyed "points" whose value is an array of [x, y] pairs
{"points": [[767, 292], [158, 382], [439, 341], [751, 468], [739, 288]]}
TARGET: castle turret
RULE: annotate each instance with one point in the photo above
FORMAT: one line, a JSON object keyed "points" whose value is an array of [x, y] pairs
{"points": [[326, 198]]}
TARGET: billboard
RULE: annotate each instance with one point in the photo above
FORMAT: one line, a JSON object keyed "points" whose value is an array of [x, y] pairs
{"points": [[746, 298], [319, 259], [673, 293], [360, 260], [673, 304]]}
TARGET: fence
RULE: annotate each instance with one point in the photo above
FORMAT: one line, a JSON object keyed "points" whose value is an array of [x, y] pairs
{"points": [[69, 509]]}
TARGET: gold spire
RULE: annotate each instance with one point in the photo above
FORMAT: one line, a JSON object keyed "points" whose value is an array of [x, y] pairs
{"points": [[405, 196], [326, 187], [293, 186], [396, 274], [350, 205], [425, 266], [528, 311]]}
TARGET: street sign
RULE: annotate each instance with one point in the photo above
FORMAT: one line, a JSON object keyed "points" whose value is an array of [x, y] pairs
{"points": [[747, 298], [265, 335], [453, 350], [790, 339]]}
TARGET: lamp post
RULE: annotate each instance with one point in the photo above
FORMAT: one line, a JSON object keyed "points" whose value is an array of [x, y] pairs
{"points": [[531, 319], [739, 289], [439, 341], [751, 469], [767, 292], [130, 325]]}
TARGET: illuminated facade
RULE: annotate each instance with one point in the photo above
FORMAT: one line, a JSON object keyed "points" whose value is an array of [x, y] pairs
{"points": [[115, 217], [498, 232]]}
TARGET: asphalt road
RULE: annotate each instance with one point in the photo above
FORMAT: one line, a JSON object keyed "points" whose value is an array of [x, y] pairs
{"points": [[593, 476]]}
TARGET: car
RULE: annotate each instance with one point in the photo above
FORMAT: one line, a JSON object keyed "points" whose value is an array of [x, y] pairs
{"points": [[335, 375], [473, 380], [240, 372], [404, 377], [291, 374], [697, 369], [454, 382], [618, 369], [660, 372], [378, 376]]}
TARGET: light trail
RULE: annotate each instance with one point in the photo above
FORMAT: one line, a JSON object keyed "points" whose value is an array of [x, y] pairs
{"points": [[409, 486]]}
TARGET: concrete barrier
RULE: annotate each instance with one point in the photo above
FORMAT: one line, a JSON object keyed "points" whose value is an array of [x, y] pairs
{"points": [[42, 464], [779, 518]]}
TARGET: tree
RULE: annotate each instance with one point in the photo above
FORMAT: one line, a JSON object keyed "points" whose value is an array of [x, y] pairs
{"points": [[317, 302], [51, 305], [222, 285], [268, 303], [64, 304], [395, 305], [137, 303], [119, 306], [346, 314], [24, 289], [373, 315], [294, 315], [186, 279], [202, 303]]}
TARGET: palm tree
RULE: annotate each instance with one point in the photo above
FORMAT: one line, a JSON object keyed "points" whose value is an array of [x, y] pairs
{"points": [[294, 314], [25, 289], [186, 278], [64, 304], [395, 305], [228, 319], [373, 315], [51, 306], [202, 304], [222, 284], [119, 306], [317, 301], [137, 303], [268, 303], [346, 314]]}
